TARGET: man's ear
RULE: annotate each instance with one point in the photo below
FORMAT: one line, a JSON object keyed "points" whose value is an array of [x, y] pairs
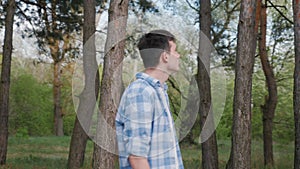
{"points": [[164, 57]]}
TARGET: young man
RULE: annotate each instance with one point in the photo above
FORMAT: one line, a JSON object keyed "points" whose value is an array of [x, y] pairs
{"points": [[145, 129]]}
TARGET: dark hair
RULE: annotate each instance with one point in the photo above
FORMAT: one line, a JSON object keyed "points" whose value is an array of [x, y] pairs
{"points": [[152, 44]]}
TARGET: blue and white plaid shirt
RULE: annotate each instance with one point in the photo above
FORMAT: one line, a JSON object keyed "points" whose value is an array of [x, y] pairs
{"points": [[143, 125]]}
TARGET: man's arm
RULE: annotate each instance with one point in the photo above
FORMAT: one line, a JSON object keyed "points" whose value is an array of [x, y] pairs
{"points": [[137, 162]]}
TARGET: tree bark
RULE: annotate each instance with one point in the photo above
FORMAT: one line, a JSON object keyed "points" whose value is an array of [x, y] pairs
{"points": [[257, 15], [89, 95], [209, 142], [271, 99], [111, 86], [58, 116], [240, 156], [296, 9], [5, 79], [57, 56]]}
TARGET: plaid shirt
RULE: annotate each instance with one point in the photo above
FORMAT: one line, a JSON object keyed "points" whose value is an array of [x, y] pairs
{"points": [[145, 127]]}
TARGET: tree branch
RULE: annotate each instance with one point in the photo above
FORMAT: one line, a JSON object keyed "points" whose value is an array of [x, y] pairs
{"points": [[27, 18], [31, 3], [176, 88], [280, 6], [217, 35], [191, 6], [275, 7], [216, 6], [284, 78]]}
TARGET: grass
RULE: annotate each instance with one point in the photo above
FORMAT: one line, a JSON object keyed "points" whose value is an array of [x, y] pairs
{"points": [[41, 153], [52, 153]]}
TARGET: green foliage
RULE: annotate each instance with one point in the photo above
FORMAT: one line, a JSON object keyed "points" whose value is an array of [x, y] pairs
{"points": [[31, 108], [259, 92], [67, 100], [284, 116], [224, 127], [22, 132], [69, 120], [174, 96], [224, 28], [283, 129]]}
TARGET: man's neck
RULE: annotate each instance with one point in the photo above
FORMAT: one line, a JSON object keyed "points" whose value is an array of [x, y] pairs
{"points": [[158, 74]]}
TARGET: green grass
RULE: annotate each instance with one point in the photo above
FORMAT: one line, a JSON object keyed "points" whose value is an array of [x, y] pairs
{"points": [[41, 153], [52, 153], [283, 155]]}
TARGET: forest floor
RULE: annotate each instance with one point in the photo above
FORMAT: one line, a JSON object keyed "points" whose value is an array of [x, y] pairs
{"points": [[52, 153]]}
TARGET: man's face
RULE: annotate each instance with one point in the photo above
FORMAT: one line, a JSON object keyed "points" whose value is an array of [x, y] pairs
{"points": [[173, 58]]}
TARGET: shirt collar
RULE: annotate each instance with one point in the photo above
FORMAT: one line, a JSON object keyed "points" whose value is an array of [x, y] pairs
{"points": [[152, 81]]}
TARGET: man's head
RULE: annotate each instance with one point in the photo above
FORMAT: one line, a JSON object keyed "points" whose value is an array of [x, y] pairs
{"points": [[156, 44]]}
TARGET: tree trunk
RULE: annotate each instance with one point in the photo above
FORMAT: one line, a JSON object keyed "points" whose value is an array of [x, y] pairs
{"points": [[56, 54], [58, 116], [257, 15], [271, 99], [111, 86], [90, 92], [240, 156], [296, 9], [208, 139], [5, 79]]}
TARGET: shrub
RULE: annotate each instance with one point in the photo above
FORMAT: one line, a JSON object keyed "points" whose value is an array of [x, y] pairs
{"points": [[31, 107]]}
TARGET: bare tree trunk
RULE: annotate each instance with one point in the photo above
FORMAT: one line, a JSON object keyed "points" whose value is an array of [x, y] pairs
{"points": [[209, 143], [58, 116], [296, 9], [240, 156], [257, 15], [53, 43], [5, 79], [89, 94], [271, 99], [111, 85], [55, 54]]}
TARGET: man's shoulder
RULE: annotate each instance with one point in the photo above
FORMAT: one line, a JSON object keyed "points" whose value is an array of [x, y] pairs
{"points": [[140, 86]]}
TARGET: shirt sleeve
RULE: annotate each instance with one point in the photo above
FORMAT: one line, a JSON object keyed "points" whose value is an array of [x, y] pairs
{"points": [[138, 114]]}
